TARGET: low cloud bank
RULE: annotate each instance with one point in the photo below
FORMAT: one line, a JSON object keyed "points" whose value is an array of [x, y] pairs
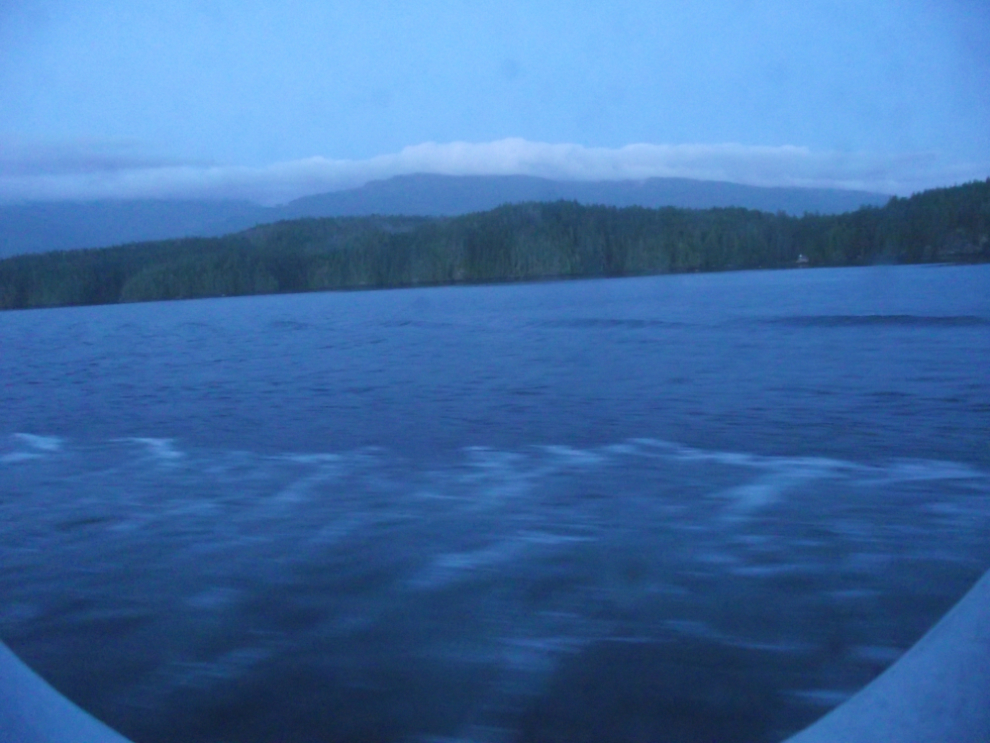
{"points": [[98, 171]]}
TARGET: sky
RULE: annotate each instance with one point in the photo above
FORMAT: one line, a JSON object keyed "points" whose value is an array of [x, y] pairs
{"points": [[273, 100]]}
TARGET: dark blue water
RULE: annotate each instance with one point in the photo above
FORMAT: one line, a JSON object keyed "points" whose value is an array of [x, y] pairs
{"points": [[679, 508]]}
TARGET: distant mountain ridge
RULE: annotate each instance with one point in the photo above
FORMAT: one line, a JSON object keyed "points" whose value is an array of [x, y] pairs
{"points": [[441, 195], [43, 226], [39, 227]]}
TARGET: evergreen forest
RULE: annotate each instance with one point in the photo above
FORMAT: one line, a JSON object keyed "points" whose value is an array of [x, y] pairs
{"points": [[519, 242]]}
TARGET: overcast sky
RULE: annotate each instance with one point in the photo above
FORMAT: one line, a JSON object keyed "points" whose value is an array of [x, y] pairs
{"points": [[271, 100]]}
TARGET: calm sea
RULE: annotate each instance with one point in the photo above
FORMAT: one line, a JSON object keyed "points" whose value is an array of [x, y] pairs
{"points": [[683, 508]]}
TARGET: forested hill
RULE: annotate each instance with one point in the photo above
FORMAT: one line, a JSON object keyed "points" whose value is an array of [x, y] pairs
{"points": [[511, 243], [40, 227]]}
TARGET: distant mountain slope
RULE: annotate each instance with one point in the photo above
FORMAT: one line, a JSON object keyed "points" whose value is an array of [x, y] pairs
{"points": [[43, 226], [38, 227], [444, 195]]}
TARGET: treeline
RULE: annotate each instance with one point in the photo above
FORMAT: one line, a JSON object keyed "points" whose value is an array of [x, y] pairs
{"points": [[511, 243]]}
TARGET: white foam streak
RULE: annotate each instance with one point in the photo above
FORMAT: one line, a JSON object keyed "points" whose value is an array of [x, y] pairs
{"points": [[40, 443], [161, 449], [568, 455], [38, 448], [18, 456]]}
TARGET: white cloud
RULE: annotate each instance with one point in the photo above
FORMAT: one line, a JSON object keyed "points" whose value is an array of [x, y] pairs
{"points": [[98, 172]]}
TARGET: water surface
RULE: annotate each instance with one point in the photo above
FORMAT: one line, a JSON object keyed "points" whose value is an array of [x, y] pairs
{"points": [[684, 508]]}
